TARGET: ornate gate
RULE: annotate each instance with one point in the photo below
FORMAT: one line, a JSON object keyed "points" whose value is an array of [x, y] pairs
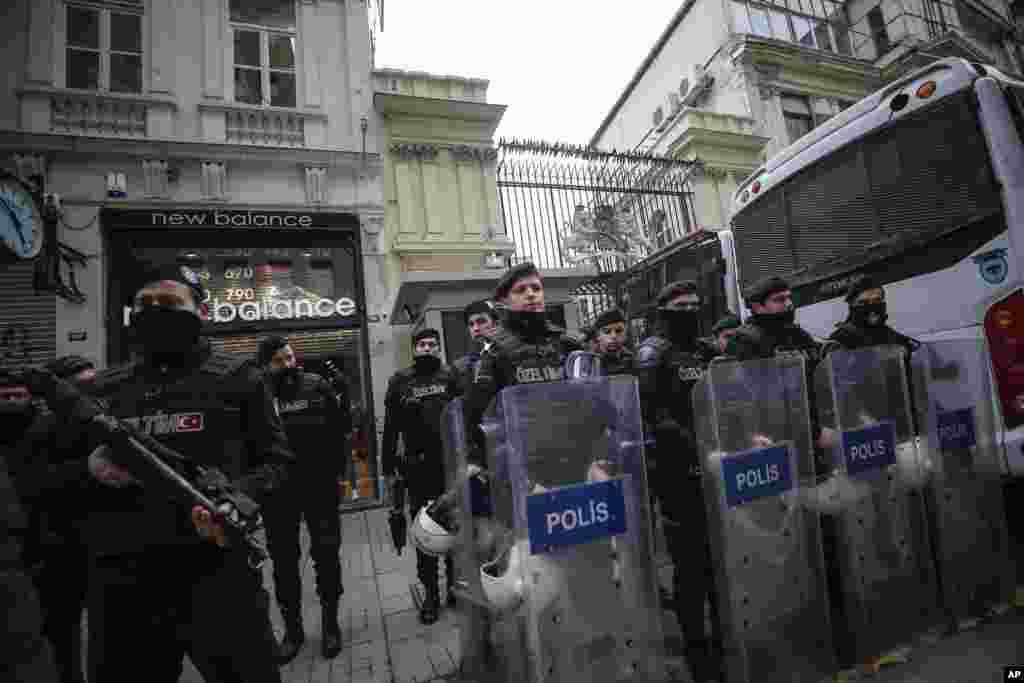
{"points": [[566, 205]]}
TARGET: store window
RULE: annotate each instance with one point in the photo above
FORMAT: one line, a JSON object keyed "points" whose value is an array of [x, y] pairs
{"points": [[304, 285], [264, 52], [103, 48]]}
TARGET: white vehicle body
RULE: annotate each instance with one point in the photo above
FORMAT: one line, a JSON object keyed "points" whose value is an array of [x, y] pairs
{"points": [[919, 190]]}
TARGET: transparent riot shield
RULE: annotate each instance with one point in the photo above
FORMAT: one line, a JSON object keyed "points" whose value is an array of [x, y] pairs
{"points": [[477, 536], [754, 431], [575, 590], [874, 496], [965, 496]]}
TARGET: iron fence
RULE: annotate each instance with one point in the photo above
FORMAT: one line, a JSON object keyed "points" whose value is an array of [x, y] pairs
{"points": [[542, 187]]}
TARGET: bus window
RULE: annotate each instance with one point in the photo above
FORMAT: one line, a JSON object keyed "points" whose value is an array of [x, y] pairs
{"points": [[926, 173]]}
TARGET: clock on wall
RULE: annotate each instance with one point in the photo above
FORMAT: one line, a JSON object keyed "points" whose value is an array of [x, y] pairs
{"points": [[21, 224]]}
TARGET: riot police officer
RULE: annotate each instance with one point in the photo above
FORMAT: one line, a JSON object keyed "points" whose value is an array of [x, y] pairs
{"points": [[53, 484], [481, 322], [668, 364], [609, 341], [865, 325], [157, 591], [772, 327], [526, 348], [314, 420], [413, 405], [28, 655]]}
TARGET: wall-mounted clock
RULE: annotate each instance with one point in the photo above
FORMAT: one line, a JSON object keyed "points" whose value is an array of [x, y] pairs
{"points": [[21, 225]]}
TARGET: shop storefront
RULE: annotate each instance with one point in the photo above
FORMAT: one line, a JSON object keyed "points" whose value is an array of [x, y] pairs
{"points": [[295, 274]]}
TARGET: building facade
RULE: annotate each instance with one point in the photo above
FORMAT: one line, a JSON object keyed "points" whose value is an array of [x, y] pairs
{"points": [[237, 138], [444, 242], [732, 82]]}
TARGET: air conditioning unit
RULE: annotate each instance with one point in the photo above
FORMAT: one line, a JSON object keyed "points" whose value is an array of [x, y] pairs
{"points": [[659, 118], [673, 104], [684, 87], [698, 83]]}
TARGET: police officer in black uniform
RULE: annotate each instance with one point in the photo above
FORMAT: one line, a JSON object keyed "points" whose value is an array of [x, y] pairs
{"points": [[772, 327], [413, 405], [27, 654], [668, 364], [866, 323], [609, 341], [53, 483], [316, 422], [481, 323], [526, 348], [157, 589]]}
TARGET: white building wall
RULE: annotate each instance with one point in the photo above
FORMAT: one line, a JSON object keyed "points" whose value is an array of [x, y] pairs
{"points": [[694, 41]]}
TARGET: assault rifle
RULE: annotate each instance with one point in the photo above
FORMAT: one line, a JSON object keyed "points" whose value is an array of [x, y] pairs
{"points": [[233, 516]]}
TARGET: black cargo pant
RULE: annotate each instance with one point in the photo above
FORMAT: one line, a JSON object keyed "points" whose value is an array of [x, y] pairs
{"points": [[687, 539], [148, 610], [62, 582], [316, 499], [425, 478]]}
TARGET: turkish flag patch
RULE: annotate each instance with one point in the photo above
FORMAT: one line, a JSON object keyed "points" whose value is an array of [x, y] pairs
{"points": [[188, 422]]}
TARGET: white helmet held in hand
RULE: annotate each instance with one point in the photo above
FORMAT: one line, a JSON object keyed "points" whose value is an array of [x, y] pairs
{"points": [[429, 536], [517, 576]]}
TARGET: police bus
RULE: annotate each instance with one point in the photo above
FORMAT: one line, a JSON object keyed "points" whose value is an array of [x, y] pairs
{"points": [[918, 186]]}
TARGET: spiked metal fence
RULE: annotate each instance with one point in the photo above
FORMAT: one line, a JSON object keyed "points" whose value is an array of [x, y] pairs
{"points": [[541, 184]]}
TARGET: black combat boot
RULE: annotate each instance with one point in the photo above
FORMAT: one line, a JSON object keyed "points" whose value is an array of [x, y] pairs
{"points": [[330, 645], [294, 637], [431, 605]]}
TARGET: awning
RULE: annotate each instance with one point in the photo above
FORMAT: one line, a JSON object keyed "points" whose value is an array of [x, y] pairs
{"points": [[423, 291]]}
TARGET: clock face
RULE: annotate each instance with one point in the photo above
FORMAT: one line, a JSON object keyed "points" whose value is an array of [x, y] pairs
{"points": [[21, 226]]}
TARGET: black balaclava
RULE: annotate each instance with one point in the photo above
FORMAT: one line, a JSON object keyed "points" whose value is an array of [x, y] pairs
{"points": [[681, 326], [865, 315], [284, 383], [165, 336], [425, 363], [527, 323], [760, 292], [869, 315]]}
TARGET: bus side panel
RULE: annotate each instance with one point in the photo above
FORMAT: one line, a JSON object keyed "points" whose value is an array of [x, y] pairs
{"points": [[1007, 153]]}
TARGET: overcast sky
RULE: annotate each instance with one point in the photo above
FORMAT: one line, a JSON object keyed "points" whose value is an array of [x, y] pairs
{"points": [[559, 65]]}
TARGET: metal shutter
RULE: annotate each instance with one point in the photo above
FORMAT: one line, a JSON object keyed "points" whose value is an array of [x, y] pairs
{"points": [[830, 209], [28, 319], [313, 343], [762, 240], [933, 171]]}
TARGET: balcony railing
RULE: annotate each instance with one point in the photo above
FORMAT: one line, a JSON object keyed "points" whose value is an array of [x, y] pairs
{"points": [[282, 129], [89, 114]]}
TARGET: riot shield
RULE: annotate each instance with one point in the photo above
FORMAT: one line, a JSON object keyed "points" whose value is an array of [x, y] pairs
{"points": [[754, 430], [476, 540], [965, 496], [575, 591], [873, 494]]}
